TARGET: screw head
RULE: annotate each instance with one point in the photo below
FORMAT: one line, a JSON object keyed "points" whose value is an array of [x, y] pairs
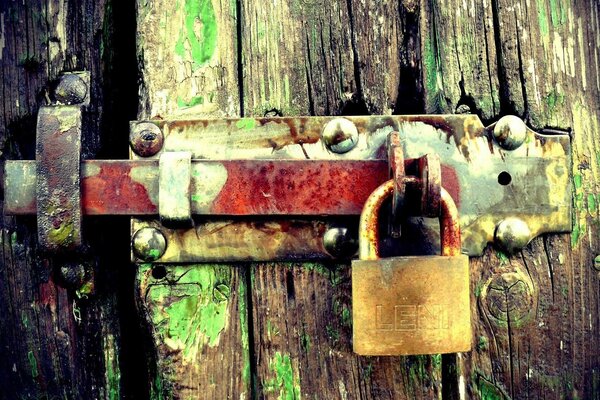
{"points": [[512, 234], [149, 244], [71, 89], [510, 132], [340, 242], [340, 135], [146, 139]]}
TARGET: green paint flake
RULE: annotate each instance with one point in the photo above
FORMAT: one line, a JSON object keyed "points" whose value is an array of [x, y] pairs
{"points": [[368, 371], [197, 100], [246, 123], [482, 344], [576, 233], [332, 333], [199, 36], [346, 317], [592, 206], [430, 62], [33, 364], [24, 319], [502, 257], [558, 13], [193, 312], [286, 381], [489, 391], [577, 181], [543, 17]]}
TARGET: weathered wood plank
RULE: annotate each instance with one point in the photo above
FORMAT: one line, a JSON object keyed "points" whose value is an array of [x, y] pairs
{"points": [[303, 333], [49, 341], [536, 313], [196, 315], [335, 57]]}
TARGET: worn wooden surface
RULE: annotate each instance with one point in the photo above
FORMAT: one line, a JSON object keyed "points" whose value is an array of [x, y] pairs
{"points": [[56, 343], [535, 314], [196, 316], [283, 330]]}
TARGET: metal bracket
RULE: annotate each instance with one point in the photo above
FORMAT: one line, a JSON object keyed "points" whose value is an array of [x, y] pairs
{"points": [[260, 189]]}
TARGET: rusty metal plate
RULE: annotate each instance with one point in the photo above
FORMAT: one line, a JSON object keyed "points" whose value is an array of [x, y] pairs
{"points": [[277, 167], [411, 305], [474, 172]]}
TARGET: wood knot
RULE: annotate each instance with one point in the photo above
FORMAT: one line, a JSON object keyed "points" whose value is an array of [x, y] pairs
{"points": [[508, 299]]}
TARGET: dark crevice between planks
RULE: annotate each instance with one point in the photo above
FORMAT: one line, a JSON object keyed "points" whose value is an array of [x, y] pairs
{"points": [[521, 72], [357, 104], [506, 107], [120, 89], [251, 342], [240, 59]]}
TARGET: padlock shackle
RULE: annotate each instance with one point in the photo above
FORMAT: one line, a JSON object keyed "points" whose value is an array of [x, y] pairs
{"points": [[368, 241], [449, 225]]}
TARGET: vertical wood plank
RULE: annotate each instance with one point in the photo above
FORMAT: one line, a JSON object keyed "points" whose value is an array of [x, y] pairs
{"points": [[49, 341], [323, 58], [196, 315], [535, 313]]}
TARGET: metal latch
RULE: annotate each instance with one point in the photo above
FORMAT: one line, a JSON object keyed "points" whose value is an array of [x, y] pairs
{"points": [[259, 189]]}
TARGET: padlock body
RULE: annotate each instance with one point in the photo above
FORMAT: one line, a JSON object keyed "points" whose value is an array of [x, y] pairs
{"points": [[411, 305]]}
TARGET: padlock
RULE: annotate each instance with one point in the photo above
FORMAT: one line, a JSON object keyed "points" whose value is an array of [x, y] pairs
{"points": [[410, 305]]}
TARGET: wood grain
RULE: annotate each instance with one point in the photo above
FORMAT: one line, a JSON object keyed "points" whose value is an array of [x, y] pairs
{"points": [[330, 58], [54, 342], [535, 313], [196, 316]]}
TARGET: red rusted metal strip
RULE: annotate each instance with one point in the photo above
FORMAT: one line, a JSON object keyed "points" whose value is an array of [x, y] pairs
{"points": [[233, 187]]}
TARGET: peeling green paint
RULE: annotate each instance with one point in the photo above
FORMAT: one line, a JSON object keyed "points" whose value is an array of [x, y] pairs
{"points": [[24, 319], [554, 99], [286, 381], [431, 71], [199, 32], [246, 123], [503, 258], [591, 203], [194, 101], [542, 17], [558, 13], [33, 364], [193, 312], [482, 344], [332, 333], [346, 316]]}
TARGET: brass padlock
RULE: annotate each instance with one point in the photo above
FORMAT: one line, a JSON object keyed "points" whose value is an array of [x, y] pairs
{"points": [[410, 305]]}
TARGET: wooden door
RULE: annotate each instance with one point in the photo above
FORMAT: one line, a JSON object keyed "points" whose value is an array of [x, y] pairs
{"points": [[284, 330]]}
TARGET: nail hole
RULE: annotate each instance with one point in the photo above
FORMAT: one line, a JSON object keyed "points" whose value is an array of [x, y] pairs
{"points": [[159, 272], [504, 178]]}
